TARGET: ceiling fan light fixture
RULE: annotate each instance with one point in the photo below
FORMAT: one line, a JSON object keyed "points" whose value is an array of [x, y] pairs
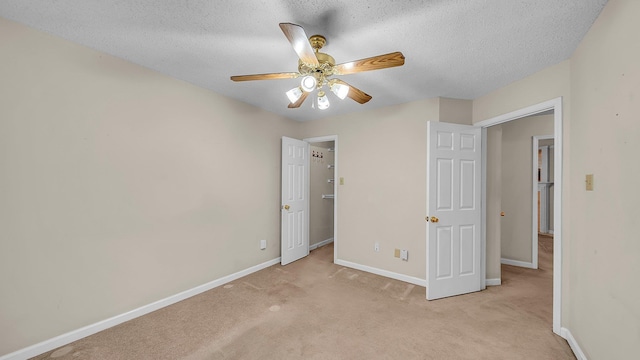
{"points": [[341, 90], [316, 69], [323, 101], [294, 94], [308, 83]]}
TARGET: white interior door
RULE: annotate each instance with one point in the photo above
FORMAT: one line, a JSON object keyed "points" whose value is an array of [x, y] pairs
{"points": [[295, 200], [453, 209]]}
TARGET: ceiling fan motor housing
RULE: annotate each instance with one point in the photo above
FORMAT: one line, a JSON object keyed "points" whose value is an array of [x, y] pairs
{"points": [[317, 42]]}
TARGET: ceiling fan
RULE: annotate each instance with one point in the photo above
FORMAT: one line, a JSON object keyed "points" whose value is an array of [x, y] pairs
{"points": [[318, 69]]}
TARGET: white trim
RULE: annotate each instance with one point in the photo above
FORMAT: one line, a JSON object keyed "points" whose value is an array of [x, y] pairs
{"points": [[320, 244], [333, 138], [493, 282], [557, 216], [553, 104], [577, 351], [83, 332], [483, 215], [519, 263], [385, 273], [556, 106]]}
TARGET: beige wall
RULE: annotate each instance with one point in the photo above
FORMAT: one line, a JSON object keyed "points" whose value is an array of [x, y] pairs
{"points": [[605, 141], [517, 183], [382, 157], [601, 304], [114, 177], [120, 186], [455, 111], [544, 85], [320, 210]]}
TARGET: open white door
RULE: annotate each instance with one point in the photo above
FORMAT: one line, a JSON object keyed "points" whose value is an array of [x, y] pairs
{"points": [[454, 209], [295, 200]]}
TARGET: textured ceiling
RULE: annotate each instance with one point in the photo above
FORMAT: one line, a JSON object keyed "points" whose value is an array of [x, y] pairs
{"points": [[453, 48]]}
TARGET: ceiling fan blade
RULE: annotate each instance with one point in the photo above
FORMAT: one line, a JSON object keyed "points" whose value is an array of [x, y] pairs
{"points": [[355, 94], [273, 76], [300, 42], [299, 102], [372, 63]]}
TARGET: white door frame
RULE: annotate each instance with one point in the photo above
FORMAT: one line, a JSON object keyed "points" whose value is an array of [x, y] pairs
{"points": [[333, 138], [534, 194], [556, 106]]}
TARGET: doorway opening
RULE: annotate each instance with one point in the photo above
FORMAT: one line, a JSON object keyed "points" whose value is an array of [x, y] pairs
{"points": [[323, 192], [554, 105], [513, 187]]}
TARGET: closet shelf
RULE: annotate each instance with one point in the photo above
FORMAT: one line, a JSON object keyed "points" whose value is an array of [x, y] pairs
{"points": [[327, 196]]}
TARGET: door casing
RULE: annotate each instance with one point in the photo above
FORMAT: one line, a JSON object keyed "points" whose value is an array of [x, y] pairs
{"points": [[556, 106]]}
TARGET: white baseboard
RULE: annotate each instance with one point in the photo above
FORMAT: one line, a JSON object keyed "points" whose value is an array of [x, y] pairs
{"points": [[385, 273], [577, 351], [78, 334], [320, 244], [523, 264], [493, 282]]}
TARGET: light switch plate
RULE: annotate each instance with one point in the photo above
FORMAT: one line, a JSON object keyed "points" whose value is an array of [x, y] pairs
{"points": [[589, 182]]}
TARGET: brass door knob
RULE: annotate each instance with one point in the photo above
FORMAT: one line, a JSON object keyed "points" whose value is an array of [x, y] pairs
{"points": [[286, 207], [434, 219]]}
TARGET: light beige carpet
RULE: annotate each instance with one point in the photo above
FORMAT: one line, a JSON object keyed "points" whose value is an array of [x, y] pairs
{"points": [[313, 309]]}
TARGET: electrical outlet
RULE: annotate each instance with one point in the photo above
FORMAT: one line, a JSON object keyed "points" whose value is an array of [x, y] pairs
{"points": [[376, 247], [263, 244], [404, 255]]}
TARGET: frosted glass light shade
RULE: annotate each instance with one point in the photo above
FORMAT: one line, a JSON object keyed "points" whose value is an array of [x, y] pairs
{"points": [[340, 90], [323, 101], [294, 94], [308, 83]]}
